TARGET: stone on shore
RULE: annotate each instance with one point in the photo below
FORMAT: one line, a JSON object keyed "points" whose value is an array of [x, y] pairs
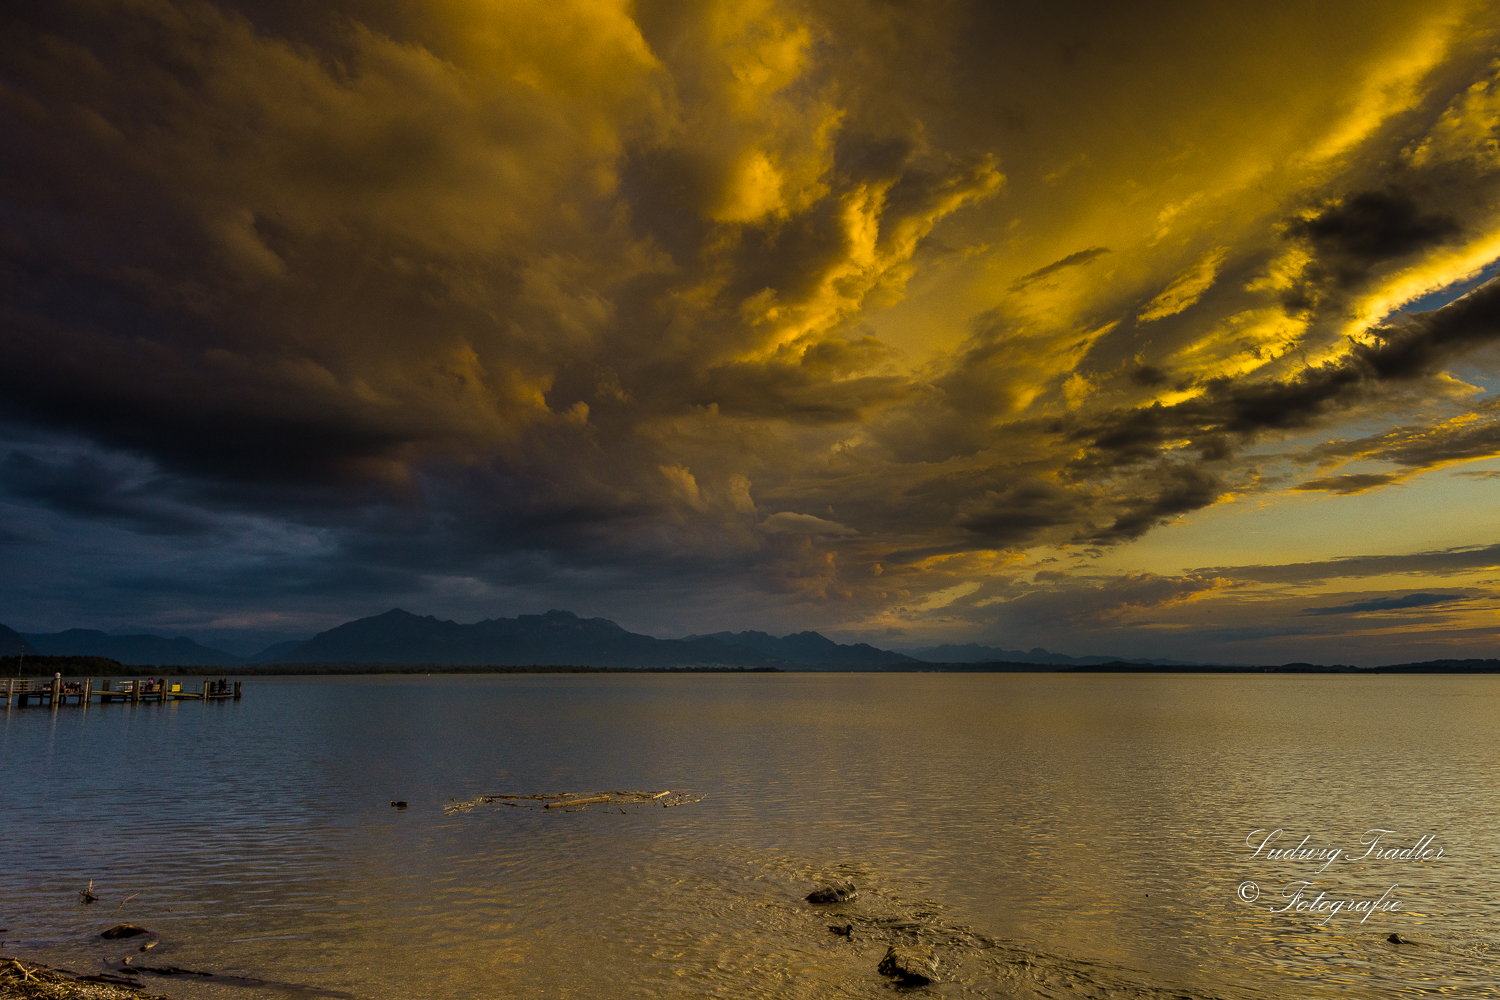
{"points": [[909, 964], [833, 892]]}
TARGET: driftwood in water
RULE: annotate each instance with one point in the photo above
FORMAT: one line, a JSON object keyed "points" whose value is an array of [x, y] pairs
{"points": [[572, 801], [577, 802], [32, 981]]}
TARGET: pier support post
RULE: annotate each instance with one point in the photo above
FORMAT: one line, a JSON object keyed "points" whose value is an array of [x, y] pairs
{"points": [[236, 690], [88, 691], [56, 698]]}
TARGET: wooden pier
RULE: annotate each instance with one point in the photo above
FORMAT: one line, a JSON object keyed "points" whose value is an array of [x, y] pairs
{"points": [[56, 692]]}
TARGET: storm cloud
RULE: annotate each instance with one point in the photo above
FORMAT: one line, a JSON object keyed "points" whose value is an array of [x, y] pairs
{"points": [[741, 314]]}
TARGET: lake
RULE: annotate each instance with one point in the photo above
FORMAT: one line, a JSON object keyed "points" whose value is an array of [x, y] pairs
{"points": [[1147, 836]]}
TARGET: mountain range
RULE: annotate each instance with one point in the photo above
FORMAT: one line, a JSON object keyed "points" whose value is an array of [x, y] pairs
{"points": [[972, 652], [555, 638], [143, 649], [809, 648]]}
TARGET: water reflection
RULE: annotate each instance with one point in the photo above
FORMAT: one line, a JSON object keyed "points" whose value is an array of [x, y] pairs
{"points": [[1070, 835]]}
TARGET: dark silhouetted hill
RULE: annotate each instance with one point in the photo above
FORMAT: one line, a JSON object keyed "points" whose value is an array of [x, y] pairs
{"points": [[1441, 667], [131, 649], [972, 652], [13, 643], [558, 637], [274, 653], [809, 649]]}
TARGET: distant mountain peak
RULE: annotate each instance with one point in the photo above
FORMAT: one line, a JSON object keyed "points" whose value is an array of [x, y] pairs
{"points": [[809, 649], [556, 637]]}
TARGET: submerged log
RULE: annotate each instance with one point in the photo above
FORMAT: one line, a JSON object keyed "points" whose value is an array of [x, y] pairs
{"points": [[570, 801]]}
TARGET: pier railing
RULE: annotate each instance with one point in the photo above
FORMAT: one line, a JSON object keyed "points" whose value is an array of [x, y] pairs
{"points": [[19, 692]]}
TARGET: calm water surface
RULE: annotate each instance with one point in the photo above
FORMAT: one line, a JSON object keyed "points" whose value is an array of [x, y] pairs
{"points": [[1051, 836]]}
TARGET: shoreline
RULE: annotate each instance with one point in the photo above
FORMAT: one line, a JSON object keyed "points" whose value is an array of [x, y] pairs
{"points": [[30, 980], [96, 666]]}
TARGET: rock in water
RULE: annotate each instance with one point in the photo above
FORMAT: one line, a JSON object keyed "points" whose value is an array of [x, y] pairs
{"points": [[833, 892], [909, 965], [1397, 939], [124, 931]]}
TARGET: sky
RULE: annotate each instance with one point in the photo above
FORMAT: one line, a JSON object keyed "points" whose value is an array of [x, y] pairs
{"points": [[1166, 330]]}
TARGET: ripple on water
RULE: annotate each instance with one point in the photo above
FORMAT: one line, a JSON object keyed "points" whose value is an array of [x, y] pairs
{"points": [[1052, 835]]}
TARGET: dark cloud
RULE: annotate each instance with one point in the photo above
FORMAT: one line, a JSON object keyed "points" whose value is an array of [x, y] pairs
{"points": [[1174, 489], [91, 486], [1020, 512], [1354, 240], [1389, 604], [1150, 377], [1444, 562], [1369, 227], [616, 304], [1472, 435], [1231, 413], [1094, 604], [1071, 260], [1347, 485], [1429, 340]]}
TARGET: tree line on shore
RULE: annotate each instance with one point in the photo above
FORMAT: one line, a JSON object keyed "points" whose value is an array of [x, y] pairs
{"points": [[99, 666], [35, 665]]}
